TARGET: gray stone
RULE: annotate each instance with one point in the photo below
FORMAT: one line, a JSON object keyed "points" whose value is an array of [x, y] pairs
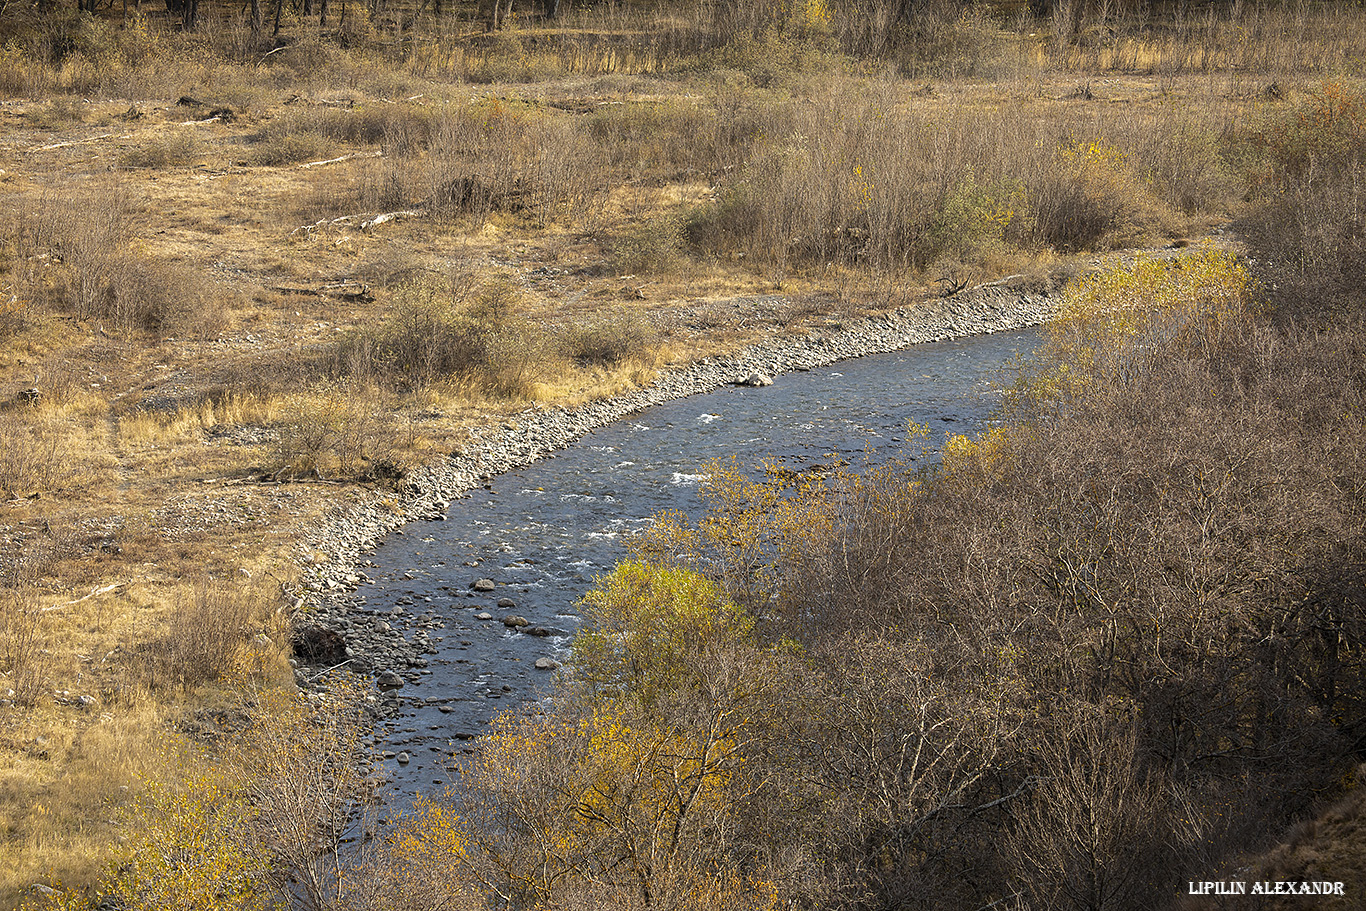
{"points": [[388, 680], [546, 664], [483, 585], [515, 621]]}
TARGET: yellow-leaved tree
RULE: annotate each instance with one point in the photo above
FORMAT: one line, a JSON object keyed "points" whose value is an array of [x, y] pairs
{"points": [[622, 796]]}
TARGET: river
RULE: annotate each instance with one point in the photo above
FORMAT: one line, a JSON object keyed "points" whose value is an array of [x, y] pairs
{"points": [[542, 533]]}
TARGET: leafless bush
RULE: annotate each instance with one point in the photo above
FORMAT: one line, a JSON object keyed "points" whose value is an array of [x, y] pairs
{"points": [[304, 770], [337, 432], [290, 139], [653, 246], [207, 631], [88, 267], [176, 149], [1307, 225], [489, 158], [608, 339], [33, 456], [1094, 832], [468, 329]]}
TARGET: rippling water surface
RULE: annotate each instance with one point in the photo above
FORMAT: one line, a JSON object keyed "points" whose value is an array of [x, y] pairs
{"points": [[544, 532]]}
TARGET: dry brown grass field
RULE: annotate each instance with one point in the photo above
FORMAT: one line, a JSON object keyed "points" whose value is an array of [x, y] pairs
{"points": [[246, 281]]}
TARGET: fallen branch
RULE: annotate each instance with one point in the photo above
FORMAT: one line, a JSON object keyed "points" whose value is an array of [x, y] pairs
{"points": [[366, 221], [94, 592], [76, 142], [387, 217], [319, 164], [346, 290], [326, 223]]}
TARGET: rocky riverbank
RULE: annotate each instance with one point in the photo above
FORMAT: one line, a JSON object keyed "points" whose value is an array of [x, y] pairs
{"points": [[334, 630]]}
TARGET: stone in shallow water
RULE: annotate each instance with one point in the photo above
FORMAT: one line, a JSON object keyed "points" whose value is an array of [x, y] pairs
{"points": [[483, 585], [546, 664], [388, 680], [515, 621]]}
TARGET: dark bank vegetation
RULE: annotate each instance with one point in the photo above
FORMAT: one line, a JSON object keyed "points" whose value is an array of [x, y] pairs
{"points": [[1113, 644]]}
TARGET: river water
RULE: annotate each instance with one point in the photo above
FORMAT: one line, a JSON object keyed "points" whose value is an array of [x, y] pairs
{"points": [[544, 532]]}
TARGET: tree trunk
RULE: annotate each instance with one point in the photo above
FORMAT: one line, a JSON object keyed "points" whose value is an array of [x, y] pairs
{"points": [[279, 8]]}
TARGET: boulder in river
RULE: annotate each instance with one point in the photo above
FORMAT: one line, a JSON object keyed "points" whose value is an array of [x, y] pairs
{"points": [[755, 379], [515, 621], [388, 680], [546, 664], [483, 585]]}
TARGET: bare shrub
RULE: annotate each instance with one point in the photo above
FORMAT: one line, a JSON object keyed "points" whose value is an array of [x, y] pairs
{"points": [[1095, 830], [1307, 223], [177, 149], [291, 138], [860, 179], [1087, 197], [334, 431], [490, 157], [652, 246], [33, 456], [661, 139], [303, 766], [88, 267], [207, 631], [468, 328], [608, 339]]}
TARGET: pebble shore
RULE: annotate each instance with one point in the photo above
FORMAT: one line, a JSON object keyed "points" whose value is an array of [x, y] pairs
{"points": [[382, 645]]}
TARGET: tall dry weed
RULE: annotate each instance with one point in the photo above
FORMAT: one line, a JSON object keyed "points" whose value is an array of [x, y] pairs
{"points": [[25, 660]]}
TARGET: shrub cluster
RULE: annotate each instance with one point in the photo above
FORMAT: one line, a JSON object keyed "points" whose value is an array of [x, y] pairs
{"points": [[468, 329]]}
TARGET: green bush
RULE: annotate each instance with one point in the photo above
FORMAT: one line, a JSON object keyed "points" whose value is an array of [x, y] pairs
{"points": [[975, 216]]}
